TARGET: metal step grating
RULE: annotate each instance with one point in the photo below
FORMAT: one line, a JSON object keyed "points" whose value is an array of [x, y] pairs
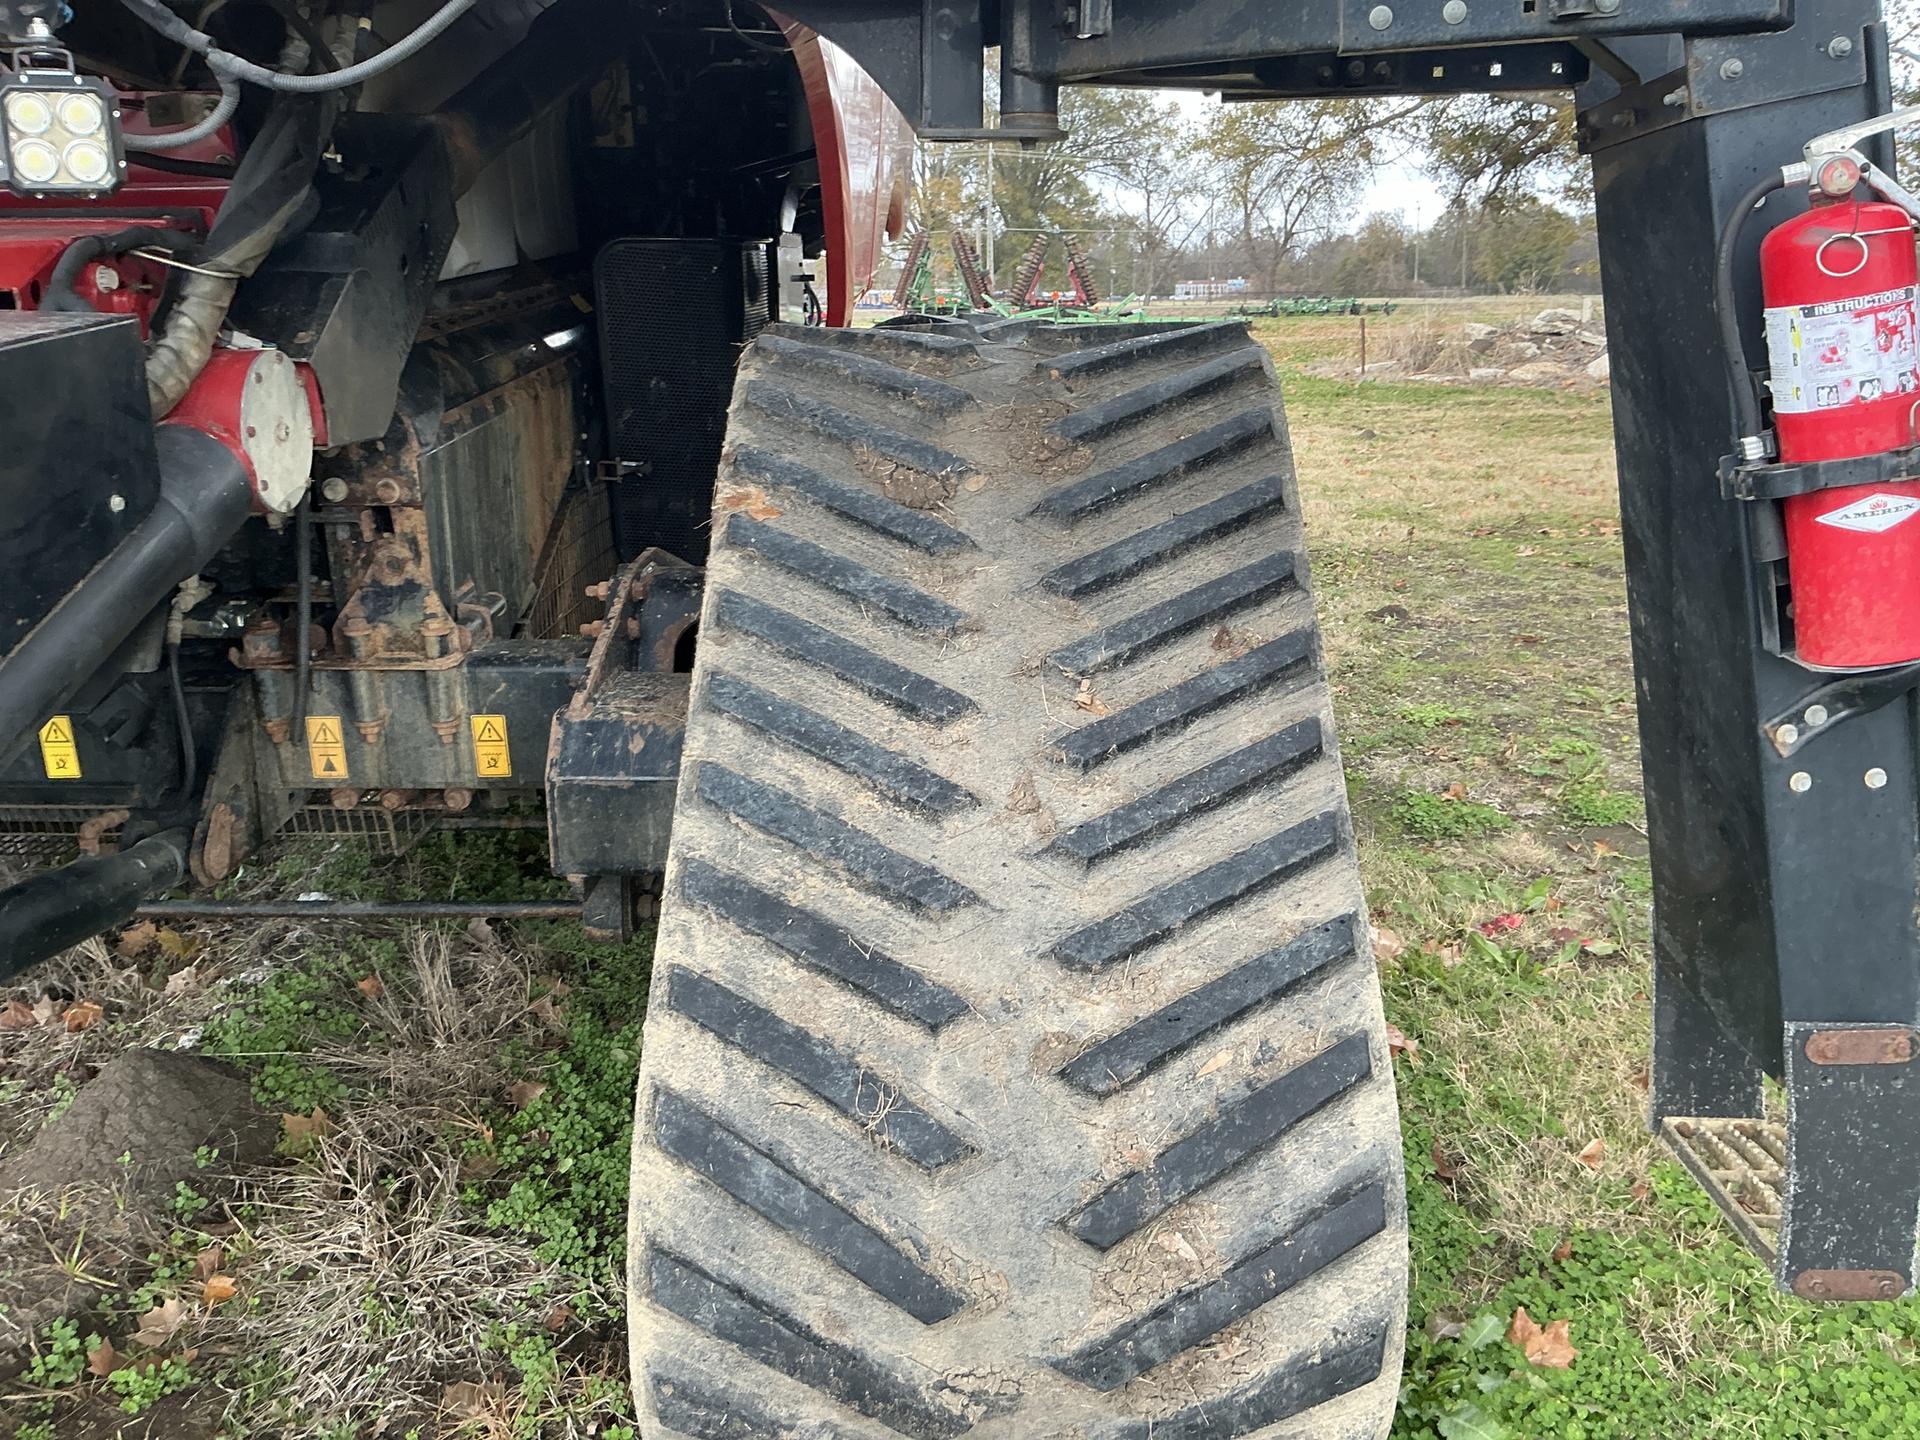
{"points": [[1742, 1165]]}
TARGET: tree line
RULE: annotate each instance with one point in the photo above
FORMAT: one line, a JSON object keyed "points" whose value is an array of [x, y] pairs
{"points": [[1268, 193]]}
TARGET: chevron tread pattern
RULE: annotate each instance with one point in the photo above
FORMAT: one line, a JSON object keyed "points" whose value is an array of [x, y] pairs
{"points": [[1012, 922]]}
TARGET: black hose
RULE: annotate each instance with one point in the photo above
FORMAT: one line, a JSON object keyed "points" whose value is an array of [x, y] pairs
{"points": [[189, 756], [303, 612], [1746, 396], [60, 294], [204, 499], [48, 912], [174, 165]]}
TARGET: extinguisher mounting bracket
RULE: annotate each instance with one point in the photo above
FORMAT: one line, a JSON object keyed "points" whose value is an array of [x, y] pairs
{"points": [[1845, 698], [1776, 480]]}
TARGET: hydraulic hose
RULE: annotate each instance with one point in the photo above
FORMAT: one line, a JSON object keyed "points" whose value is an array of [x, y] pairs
{"points": [[1746, 399], [204, 498], [227, 65], [60, 293], [204, 129], [48, 912]]}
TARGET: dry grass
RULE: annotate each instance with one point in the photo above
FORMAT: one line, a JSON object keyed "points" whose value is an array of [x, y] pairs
{"points": [[375, 1280]]}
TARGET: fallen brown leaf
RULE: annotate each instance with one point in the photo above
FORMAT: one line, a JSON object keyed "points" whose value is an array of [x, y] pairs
{"points": [[1400, 1043], [1640, 1190], [159, 1323], [17, 1015], [180, 947], [974, 484], [473, 1399], [208, 1262], [184, 981], [136, 940], [1563, 1252], [1455, 791], [1549, 1346], [218, 1289], [524, 1092], [1087, 700], [371, 986], [1594, 1154], [82, 1015], [300, 1133], [1386, 944], [1443, 1167], [1218, 1061], [103, 1360]]}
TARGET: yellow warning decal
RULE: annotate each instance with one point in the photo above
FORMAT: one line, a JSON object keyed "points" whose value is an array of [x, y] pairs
{"points": [[59, 752], [326, 747], [491, 758]]}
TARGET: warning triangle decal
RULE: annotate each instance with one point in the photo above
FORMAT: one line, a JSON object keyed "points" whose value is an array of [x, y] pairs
{"points": [[324, 734], [490, 731], [56, 733]]}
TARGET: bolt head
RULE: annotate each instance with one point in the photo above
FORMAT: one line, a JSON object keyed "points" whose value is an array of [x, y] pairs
{"points": [[1787, 734], [116, 503], [1454, 11], [1816, 715], [1800, 782], [333, 489], [1732, 69], [1876, 778], [1839, 47], [1380, 17], [1607, 7]]}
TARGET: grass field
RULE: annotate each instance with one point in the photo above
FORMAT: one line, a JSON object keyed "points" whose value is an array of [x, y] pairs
{"points": [[438, 1253]]}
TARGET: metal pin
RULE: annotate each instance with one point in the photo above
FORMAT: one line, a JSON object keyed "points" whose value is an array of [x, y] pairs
{"points": [[1454, 11], [1876, 778], [1380, 17], [1787, 734], [1816, 715], [1800, 782]]}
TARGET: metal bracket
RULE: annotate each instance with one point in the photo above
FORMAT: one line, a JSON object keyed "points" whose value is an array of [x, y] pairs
{"points": [[1848, 698], [1368, 25], [1775, 480]]}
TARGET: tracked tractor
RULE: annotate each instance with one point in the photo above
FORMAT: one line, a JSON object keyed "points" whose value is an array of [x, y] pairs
{"points": [[409, 418]]}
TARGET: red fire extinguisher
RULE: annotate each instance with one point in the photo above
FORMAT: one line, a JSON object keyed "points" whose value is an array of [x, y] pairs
{"points": [[1839, 284]]}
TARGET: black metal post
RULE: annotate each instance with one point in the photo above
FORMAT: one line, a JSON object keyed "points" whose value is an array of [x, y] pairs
{"points": [[1784, 887]]}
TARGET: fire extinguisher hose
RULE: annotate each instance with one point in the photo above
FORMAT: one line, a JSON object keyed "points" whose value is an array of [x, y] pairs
{"points": [[1746, 396]]}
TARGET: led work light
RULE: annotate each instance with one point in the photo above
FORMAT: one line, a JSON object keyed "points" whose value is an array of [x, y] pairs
{"points": [[60, 132]]}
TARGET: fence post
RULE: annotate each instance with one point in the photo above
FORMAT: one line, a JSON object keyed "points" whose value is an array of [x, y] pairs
{"points": [[1363, 346]]}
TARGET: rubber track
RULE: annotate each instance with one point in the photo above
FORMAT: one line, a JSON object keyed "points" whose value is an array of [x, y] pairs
{"points": [[1014, 1066]]}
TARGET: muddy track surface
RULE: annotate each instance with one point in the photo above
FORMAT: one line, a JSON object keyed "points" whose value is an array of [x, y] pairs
{"points": [[1014, 1065]]}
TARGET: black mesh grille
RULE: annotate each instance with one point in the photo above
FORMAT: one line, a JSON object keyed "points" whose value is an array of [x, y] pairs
{"points": [[673, 315]]}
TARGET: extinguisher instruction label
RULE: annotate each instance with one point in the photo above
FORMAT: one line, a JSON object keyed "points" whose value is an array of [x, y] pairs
{"points": [[1872, 513], [1843, 352]]}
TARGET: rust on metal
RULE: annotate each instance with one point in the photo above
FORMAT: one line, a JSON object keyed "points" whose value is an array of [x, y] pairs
{"points": [[1861, 1045], [1849, 1285], [92, 834]]}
